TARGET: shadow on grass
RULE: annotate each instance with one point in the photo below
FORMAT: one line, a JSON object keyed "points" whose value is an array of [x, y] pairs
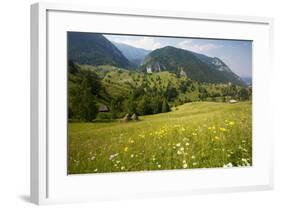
{"points": [[104, 121], [95, 121]]}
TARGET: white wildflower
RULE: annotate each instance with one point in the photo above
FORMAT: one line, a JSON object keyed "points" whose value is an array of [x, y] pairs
{"points": [[179, 152], [111, 157], [228, 165]]}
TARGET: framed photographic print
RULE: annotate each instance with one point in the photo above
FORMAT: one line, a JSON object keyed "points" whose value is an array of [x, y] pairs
{"points": [[132, 103]]}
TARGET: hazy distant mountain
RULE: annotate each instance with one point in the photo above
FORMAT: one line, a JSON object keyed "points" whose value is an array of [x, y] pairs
{"points": [[196, 66], [94, 49], [133, 54]]}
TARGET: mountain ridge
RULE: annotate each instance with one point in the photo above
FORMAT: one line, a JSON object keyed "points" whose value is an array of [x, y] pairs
{"points": [[94, 49], [197, 66]]}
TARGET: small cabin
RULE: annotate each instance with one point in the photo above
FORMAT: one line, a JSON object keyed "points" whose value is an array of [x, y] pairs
{"points": [[232, 101], [126, 118], [135, 117], [103, 108]]}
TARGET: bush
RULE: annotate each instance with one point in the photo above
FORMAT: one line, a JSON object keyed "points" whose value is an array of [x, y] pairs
{"points": [[165, 106], [103, 116]]}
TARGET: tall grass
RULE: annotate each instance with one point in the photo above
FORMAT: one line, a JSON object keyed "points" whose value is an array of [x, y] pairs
{"points": [[195, 135]]}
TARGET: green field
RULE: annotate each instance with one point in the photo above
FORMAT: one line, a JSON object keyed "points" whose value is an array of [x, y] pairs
{"points": [[193, 135]]}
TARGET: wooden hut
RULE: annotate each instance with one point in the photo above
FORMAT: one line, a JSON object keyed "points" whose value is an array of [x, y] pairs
{"points": [[103, 108], [232, 101]]}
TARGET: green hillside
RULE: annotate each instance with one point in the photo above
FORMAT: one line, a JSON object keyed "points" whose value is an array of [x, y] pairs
{"points": [[194, 135], [124, 91]]}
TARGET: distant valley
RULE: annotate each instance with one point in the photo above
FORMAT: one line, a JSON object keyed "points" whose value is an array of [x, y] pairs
{"points": [[135, 55]]}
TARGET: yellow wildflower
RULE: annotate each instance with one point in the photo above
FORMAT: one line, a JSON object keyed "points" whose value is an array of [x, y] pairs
{"points": [[132, 141], [231, 123], [126, 149], [222, 129], [141, 135]]}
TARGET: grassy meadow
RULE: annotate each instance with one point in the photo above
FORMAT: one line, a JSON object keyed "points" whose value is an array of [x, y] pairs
{"points": [[192, 135]]}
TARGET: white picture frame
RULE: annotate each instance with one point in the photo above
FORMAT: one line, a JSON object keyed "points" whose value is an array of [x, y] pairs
{"points": [[49, 182]]}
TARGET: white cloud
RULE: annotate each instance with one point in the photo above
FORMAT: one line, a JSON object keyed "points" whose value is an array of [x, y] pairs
{"points": [[152, 43], [199, 48], [148, 43]]}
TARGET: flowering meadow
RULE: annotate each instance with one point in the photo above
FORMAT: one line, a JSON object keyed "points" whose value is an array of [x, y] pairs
{"points": [[193, 135]]}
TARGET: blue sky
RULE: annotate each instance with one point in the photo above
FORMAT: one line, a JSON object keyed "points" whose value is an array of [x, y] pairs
{"points": [[237, 54]]}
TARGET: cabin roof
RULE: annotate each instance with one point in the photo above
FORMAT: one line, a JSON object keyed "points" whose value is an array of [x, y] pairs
{"points": [[103, 108]]}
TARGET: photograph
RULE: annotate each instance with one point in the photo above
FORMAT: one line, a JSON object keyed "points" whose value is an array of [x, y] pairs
{"points": [[154, 103]]}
